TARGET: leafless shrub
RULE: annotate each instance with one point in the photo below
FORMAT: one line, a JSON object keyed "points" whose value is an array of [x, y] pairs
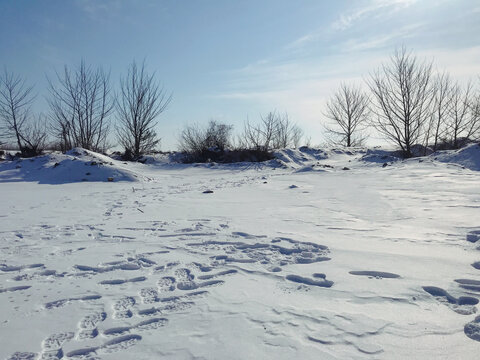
{"points": [[202, 144]]}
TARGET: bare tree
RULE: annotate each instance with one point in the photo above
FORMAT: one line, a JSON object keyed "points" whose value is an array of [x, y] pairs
{"points": [[463, 120], [441, 104], [140, 102], [80, 106], [16, 99], [349, 111], [403, 94]]}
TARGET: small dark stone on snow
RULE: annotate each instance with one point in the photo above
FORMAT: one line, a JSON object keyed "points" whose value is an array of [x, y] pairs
{"points": [[346, 168], [55, 165], [265, 182], [384, 165], [208, 192], [293, 186]]}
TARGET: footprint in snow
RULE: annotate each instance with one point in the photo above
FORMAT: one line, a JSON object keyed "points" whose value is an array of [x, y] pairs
{"points": [[149, 295], [23, 356], [88, 325], [122, 308], [52, 346], [166, 283], [150, 324], [375, 274], [472, 329], [63, 302], [320, 280], [114, 345], [464, 305], [468, 284]]}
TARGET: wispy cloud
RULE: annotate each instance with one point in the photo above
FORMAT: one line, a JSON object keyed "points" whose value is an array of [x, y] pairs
{"points": [[391, 39], [375, 8]]}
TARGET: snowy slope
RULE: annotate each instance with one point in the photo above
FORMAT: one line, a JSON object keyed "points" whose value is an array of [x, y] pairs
{"points": [[75, 166], [278, 262]]}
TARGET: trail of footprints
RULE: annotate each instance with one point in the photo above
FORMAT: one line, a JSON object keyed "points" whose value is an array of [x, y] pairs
{"points": [[464, 305]]}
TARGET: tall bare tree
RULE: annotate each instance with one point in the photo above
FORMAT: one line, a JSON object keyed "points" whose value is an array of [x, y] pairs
{"points": [[402, 92], [463, 122], [80, 106], [140, 102], [349, 110], [441, 104], [16, 98]]}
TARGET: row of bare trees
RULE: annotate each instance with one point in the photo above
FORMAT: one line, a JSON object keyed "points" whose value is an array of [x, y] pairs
{"points": [[409, 104], [81, 105]]}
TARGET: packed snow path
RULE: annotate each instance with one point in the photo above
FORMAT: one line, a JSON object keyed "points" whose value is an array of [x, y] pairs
{"points": [[371, 262]]}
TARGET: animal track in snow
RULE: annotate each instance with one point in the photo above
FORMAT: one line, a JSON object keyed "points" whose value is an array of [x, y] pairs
{"points": [[375, 274], [122, 308], [88, 325]]}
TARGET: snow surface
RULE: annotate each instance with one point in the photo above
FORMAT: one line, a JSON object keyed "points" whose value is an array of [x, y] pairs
{"points": [[315, 255]]}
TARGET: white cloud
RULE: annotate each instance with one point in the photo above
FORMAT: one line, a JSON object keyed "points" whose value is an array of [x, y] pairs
{"points": [[385, 7]]}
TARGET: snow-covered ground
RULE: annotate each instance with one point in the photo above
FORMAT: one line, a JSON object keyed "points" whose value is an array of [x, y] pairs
{"points": [[317, 255]]}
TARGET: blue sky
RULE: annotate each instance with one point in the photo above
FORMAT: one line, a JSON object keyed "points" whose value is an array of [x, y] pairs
{"points": [[229, 60]]}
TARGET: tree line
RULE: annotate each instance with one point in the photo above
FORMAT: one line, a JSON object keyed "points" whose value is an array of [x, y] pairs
{"points": [[405, 101], [81, 103], [409, 104]]}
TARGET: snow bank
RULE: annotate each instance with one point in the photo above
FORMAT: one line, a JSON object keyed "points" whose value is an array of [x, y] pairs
{"points": [[468, 156], [75, 166]]}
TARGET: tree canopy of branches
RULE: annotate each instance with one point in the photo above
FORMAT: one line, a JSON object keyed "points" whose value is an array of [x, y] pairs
{"points": [[80, 105], [140, 102], [274, 131], [463, 122], [16, 99], [349, 110], [402, 91], [441, 104]]}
